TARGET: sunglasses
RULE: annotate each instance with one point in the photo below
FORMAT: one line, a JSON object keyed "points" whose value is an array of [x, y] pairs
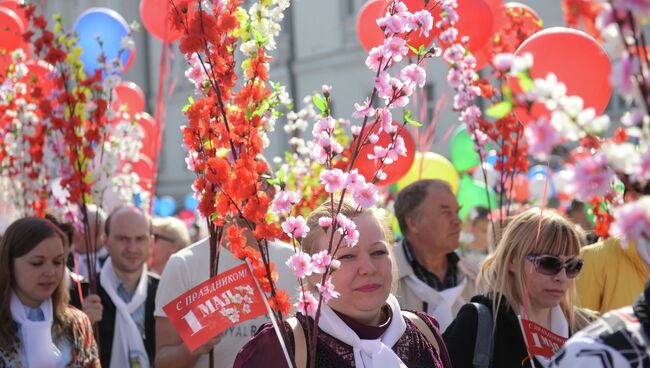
{"points": [[552, 265]]}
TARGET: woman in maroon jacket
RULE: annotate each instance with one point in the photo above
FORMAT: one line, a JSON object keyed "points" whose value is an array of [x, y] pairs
{"points": [[364, 325]]}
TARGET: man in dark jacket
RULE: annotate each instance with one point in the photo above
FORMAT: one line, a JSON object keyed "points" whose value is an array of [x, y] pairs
{"points": [[124, 302]]}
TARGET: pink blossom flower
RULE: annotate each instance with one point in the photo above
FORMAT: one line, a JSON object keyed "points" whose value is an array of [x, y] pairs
{"points": [[423, 20], [326, 89], [355, 180], [454, 53], [386, 120], [323, 125], [454, 78], [391, 24], [307, 304], [366, 195], [348, 229], [334, 179], [591, 177], [283, 201], [373, 138], [622, 73], [449, 35], [301, 265], [356, 130], [634, 5], [327, 290], [325, 222], [375, 58], [395, 48], [503, 61], [542, 138], [413, 75], [364, 110], [632, 220], [295, 227], [321, 260], [384, 88]]}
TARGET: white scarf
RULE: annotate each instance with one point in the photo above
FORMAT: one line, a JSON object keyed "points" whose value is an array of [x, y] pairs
{"points": [[440, 303], [127, 340], [82, 263], [368, 353], [40, 350]]}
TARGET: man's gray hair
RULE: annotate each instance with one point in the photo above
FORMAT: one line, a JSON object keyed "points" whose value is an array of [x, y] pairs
{"points": [[410, 199]]}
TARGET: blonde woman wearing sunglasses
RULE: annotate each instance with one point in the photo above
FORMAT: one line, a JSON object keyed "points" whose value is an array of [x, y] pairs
{"points": [[536, 259]]}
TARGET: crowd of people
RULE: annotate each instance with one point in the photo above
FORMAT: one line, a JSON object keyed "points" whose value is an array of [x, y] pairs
{"points": [[425, 300]]}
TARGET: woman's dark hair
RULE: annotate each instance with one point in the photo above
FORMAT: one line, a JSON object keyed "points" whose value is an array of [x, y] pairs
{"points": [[20, 238]]}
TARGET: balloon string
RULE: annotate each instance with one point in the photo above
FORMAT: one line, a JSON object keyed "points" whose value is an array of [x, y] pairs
{"points": [[160, 116]]}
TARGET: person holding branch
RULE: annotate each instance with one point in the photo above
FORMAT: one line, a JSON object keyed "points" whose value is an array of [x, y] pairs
{"points": [[361, 323], [530, 276], [37, 326]]}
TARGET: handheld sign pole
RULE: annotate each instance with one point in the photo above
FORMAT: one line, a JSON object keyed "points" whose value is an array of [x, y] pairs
{"points": [[274, 321]]}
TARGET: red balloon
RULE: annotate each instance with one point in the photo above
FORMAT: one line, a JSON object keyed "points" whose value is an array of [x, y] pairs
{"points": [[394, 171], [415, 39], [482, 57], [154, 15], [144, 169], [151, 136], [369, 33], [129, 96], [129, 62], [37, 74], [576, 59], [498, 16], [475, 21], [11, 30]]}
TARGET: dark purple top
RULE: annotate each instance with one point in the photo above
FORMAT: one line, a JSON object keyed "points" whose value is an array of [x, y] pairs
{"points": [[413, 348]]}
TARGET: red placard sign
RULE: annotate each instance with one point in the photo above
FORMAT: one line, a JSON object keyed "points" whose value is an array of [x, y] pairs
{"points": [[540, 340], [215, 305]]}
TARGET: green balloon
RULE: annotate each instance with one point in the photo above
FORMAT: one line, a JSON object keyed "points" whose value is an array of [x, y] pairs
{"points": [[463, 154], [471, 194]]}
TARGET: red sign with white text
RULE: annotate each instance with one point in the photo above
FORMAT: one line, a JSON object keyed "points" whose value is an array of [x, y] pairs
{"points": [[215, 305], [540, 340]]}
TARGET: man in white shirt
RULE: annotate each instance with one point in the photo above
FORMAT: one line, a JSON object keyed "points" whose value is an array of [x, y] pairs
{"points": [[190, 267]]}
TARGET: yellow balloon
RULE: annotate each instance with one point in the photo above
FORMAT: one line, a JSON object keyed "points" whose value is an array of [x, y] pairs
{"points": [[431, 166]]}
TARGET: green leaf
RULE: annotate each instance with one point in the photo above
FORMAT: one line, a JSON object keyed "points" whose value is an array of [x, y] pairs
{"points": [[507, 93], [409, 120], [525, 82], [499, 110], [249, 114], [321, 104]]}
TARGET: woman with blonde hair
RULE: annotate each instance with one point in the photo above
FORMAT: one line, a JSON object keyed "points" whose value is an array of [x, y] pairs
{"points": [[364, 326], [37, 327], [532, 271]]}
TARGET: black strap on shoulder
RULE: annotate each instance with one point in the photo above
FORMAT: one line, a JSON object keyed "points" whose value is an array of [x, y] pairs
{"points": [[483, 345]]}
